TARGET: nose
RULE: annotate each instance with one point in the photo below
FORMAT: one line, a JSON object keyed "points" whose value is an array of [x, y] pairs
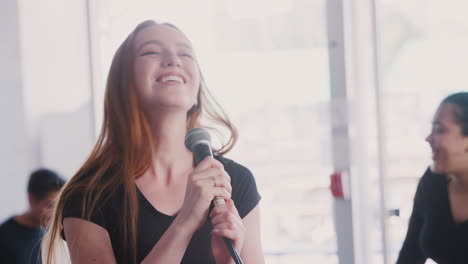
{"points": [[171, 60], [429, 138]]}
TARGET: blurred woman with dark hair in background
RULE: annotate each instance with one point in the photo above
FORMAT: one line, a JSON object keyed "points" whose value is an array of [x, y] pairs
{"points": [[438, 227]]}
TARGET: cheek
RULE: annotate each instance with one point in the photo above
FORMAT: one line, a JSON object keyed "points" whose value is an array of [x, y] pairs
{"points": [[36, 208], [195, 93], [141, 74], [196, 86], [196, 79], [194, 72], [194, 82]]}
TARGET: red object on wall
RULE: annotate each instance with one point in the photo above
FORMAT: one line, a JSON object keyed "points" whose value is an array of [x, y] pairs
{"points": [[335, 185], [339, 185]]}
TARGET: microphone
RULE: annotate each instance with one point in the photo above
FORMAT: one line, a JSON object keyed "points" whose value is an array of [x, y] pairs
{"points": [[198, 141]]}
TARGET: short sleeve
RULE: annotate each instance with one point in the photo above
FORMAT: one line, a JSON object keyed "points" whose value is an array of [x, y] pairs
{"points": [[73, 208], [244, 189]]}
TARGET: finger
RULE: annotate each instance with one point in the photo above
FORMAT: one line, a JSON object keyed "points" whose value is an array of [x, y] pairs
{"points": [[224, 221], [226, 217], [205, 164], [212, 172], [227, 207], [230, 204], [228, 226], [217, 164], [221, 181], [231, 225], [213, 177], [228, 233], [218, 210], [220, 192], [210, 162], [228, 222]]}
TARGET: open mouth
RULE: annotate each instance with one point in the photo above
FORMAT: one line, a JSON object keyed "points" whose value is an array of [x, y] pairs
{"points": [[170, 78]]}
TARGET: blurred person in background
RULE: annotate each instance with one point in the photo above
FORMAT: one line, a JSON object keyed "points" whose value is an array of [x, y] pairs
{"points": [[438, 227], [139, 198], [20, 235]]}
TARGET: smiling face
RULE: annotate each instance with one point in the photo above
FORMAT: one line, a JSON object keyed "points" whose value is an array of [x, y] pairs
{"points": [[449, 145], [166, 74]]}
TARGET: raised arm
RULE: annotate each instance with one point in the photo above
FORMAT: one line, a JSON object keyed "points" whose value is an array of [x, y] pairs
{"points": [[201, 190], [90, 243]]}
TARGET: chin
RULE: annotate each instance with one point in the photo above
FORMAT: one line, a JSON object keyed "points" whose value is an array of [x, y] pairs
{"points": [[437, 168]]}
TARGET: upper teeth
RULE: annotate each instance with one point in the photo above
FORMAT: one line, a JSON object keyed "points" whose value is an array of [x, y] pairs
{"points": [[171, 78]]}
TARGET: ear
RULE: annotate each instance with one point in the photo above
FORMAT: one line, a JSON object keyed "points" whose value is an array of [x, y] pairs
{"points": [[31, 199]]}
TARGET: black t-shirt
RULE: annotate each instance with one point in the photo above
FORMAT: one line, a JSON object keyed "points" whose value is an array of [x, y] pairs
{"points": [[152, 224], [19, 244], [432, 232]]}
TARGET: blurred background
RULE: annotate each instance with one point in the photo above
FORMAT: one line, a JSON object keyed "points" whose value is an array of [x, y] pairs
{"points": [[314, 87]]}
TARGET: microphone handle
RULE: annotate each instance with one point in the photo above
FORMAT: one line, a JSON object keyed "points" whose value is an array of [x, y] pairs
{"points": [[200, 152], [232, 250]]}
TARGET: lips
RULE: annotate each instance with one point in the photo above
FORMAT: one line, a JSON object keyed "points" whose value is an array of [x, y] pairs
{"points": [[170, 78]]}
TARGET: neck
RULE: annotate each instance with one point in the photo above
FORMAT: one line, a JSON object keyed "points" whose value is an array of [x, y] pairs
{"points": [[461, 179], [170, 156], [29, 220]]}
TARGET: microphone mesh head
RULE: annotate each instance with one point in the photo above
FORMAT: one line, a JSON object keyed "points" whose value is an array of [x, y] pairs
{"points": [[194, 136]]}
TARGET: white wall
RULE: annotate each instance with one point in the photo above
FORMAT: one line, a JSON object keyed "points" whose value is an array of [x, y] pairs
{"points": [[44, 105], [13, 147]]}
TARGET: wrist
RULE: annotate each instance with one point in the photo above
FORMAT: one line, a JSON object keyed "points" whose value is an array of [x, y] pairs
{"points": [[184, 226]]}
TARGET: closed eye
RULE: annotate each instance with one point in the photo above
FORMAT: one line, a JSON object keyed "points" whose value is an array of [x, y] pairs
{"points": [[438, 129], [150, 53], [186, 55]]}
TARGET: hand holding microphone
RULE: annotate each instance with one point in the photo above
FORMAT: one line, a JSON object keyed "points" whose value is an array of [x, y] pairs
{"points": [[204, 183], [225, 218]]}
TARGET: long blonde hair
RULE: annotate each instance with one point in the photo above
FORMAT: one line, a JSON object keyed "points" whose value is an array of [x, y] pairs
{"points": [[122, 153]]}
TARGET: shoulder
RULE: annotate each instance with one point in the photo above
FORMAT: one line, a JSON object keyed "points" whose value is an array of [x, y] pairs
{"points": [[85, 192], [431, 187], [235, 169], [102, 201], [101, 207], [10, 231], [432, 181], [6, 222], [241, 176], [244, 188], [5, 225]]}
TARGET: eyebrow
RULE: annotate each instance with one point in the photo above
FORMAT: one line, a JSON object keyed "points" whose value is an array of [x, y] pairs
{"points": [[156, 42]]}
